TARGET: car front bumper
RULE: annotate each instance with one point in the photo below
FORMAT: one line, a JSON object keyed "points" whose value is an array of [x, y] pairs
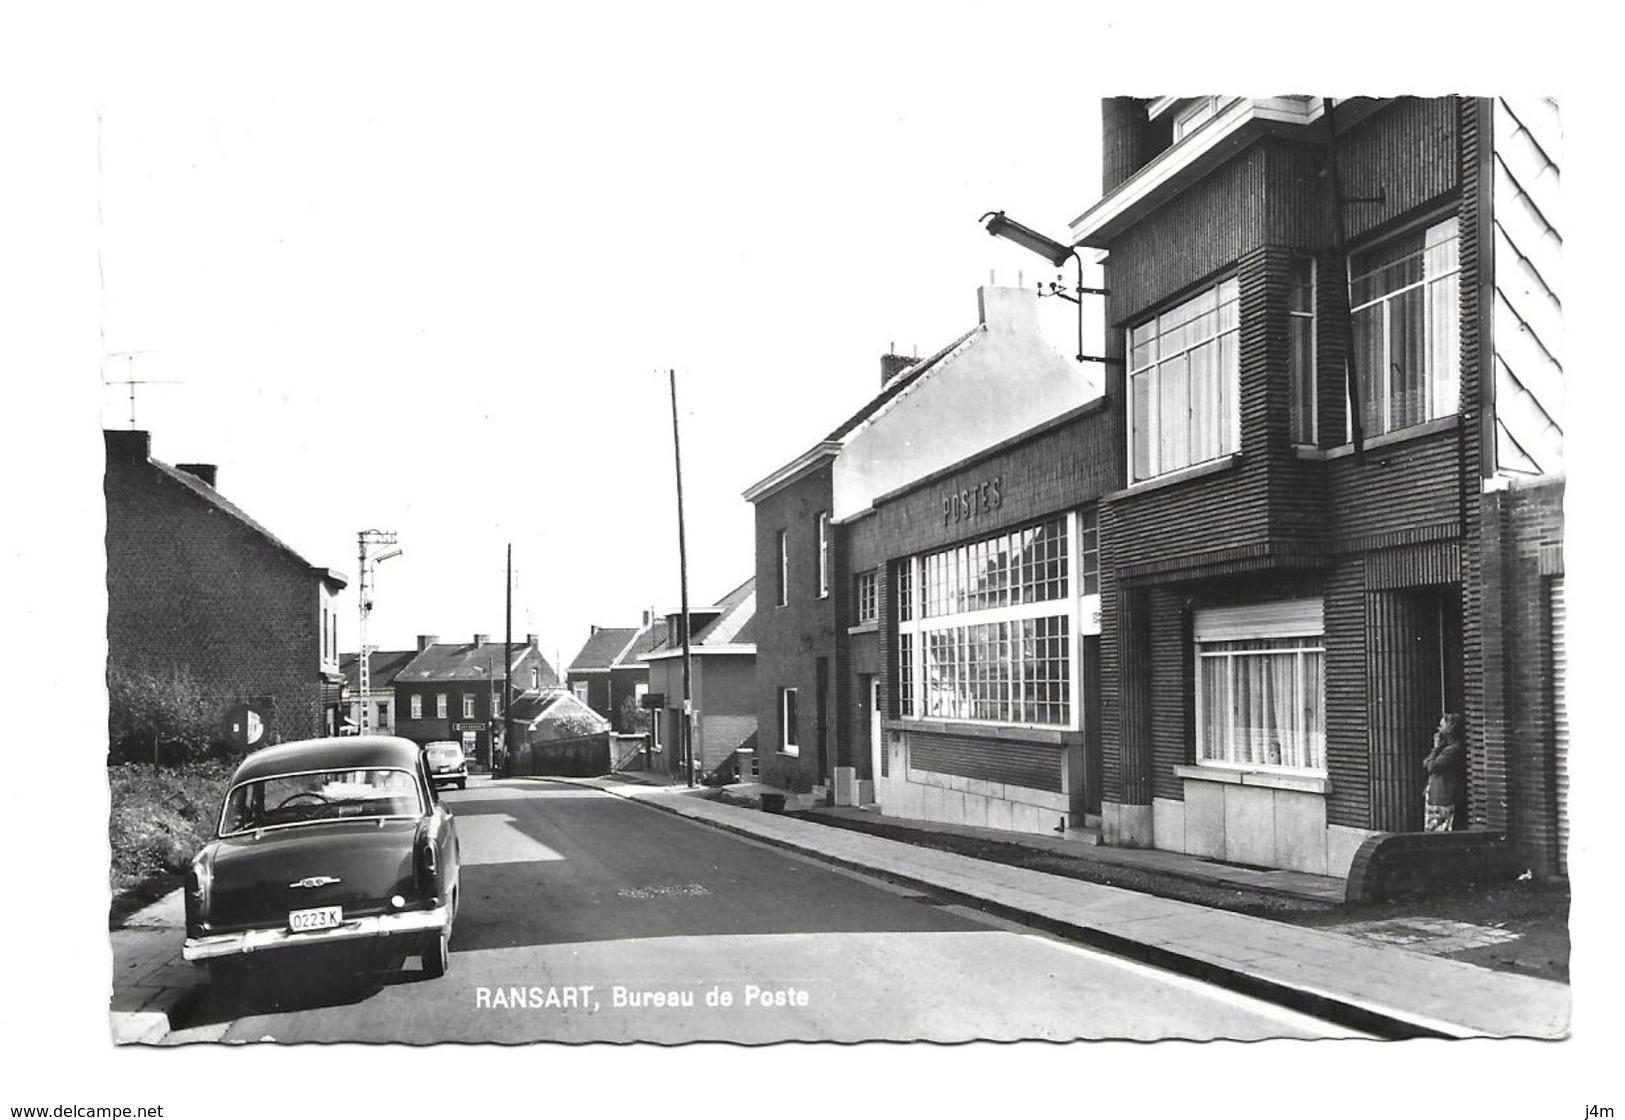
{"points": [[411, 923]]}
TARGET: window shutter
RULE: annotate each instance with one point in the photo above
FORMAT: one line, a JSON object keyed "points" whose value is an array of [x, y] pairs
{"points": [[1285, 619]]}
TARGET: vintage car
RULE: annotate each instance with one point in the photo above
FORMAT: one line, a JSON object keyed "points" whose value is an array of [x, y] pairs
{"points": [[324, 843], [447, 766]]}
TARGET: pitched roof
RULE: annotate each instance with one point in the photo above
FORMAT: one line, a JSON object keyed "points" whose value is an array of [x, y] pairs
{"points": [[733, 624], [831, 444], [651, 637], [897, 384], [217, 500], [603, 647], [382, 666], [550, 703], [468, 662]]}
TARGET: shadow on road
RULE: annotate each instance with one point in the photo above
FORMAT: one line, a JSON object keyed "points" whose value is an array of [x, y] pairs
{"points": [[285, 984]]}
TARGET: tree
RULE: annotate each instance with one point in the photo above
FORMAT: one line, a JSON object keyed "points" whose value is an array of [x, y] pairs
{"points": [[159, 715], [634, 720]]}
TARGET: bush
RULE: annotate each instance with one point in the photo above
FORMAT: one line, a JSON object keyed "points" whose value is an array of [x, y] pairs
{"points": [[160, 817], [160, 715]]}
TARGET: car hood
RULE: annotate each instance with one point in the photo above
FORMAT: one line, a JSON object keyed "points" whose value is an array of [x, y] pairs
{"points": [[259, 877]]}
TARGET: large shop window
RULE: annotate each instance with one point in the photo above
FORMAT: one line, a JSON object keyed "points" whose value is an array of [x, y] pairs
{"points": [[1184, 374], [986, 629], [1404, 304], [1260, 687]]}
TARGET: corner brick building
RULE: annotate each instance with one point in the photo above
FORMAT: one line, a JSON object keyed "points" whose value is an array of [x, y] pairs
{"points": [[1218, 606], [194, 583]]}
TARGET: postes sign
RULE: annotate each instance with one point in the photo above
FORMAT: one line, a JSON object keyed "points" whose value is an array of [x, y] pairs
{"points": [[970, 502]]}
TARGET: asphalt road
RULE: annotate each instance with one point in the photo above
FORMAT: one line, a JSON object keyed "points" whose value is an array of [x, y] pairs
{"points": [[588, 918]]}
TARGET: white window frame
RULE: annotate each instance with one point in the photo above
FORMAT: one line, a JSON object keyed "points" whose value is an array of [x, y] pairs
{"points": [[416, 705], [468, 705], [784, 569], [580, 690], [866, 597], [1299, 378], [1228, 434], [787, 698], [823, 554], [1290, 621], [1435, 336], [915, 627], [441, 708]]}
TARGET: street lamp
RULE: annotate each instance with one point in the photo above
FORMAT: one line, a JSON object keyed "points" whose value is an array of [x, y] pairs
{"points": [[368, 539], [1057, 254]]}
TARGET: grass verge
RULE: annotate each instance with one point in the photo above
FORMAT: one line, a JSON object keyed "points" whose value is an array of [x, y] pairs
{"points": [[160, 817]]}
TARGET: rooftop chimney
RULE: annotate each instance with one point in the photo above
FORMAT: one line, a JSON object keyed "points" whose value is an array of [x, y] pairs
{"points": [[481, 639], [1008, 310], [534, 641], [893, 364], [427, 640], [127, 445], [202, 471], [648, 616]]}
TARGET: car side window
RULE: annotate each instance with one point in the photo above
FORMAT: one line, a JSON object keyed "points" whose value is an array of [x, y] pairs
{"points": [[426, 783]]}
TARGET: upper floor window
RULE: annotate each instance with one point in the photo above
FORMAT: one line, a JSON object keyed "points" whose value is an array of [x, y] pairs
{"points": [[535, 678], [1184, 376], [782, 584], [1301, 349], [865, 591], [440, 705], [417, 707], [1404, 306], [468, 705], [823, 555]]}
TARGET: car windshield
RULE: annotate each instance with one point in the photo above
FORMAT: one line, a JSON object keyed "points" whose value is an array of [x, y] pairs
{"points": [[446, 753], [325, 795]]}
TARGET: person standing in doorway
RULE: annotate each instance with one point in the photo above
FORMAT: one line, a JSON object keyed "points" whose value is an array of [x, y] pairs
{"points": [[1446, 766]]}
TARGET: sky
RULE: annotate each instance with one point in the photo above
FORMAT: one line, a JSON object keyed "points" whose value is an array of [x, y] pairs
{"points": [[445, 300], [424, 268]]}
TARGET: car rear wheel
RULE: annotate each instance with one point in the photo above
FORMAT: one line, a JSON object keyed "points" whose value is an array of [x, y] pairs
{"points": [[462, 783], [437, 956]]}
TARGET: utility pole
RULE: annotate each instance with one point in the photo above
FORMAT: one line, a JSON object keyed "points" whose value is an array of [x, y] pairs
{"points": [[507, 656], [682, 570], [368, 541]]}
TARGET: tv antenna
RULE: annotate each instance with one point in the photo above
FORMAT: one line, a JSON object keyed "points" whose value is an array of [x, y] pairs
{"points": [[132, 381]]}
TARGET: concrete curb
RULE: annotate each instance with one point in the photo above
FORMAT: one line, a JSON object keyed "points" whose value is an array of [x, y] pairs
{"points": [[151, 980], [1363, 1015]]}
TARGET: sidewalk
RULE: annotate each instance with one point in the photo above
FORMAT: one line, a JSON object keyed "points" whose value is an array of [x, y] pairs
{"points": [[1387, 990]]}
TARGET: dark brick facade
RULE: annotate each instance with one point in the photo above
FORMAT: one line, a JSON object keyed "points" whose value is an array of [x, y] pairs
{"points": [[189, 584], [1386, 539], [793, 637], [1523, 555]]}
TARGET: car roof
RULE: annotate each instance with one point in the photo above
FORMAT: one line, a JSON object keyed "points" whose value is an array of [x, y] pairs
{"points": [[342, 752]]}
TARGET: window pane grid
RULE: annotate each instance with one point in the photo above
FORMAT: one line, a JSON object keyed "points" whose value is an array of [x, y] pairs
{"points": [[1183, 369], [1009, 672], [1025, 566], [1404, 306], [867, 596]]}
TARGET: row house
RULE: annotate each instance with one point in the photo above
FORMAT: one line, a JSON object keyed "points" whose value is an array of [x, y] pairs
{"points": [[609, 675], [1217, 606], [721, 689], [925, 622], [454, 690], [196, 585], [379, 701]]}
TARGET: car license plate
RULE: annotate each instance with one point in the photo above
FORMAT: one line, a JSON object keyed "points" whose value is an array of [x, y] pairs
{"points": [[322, 917]]}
